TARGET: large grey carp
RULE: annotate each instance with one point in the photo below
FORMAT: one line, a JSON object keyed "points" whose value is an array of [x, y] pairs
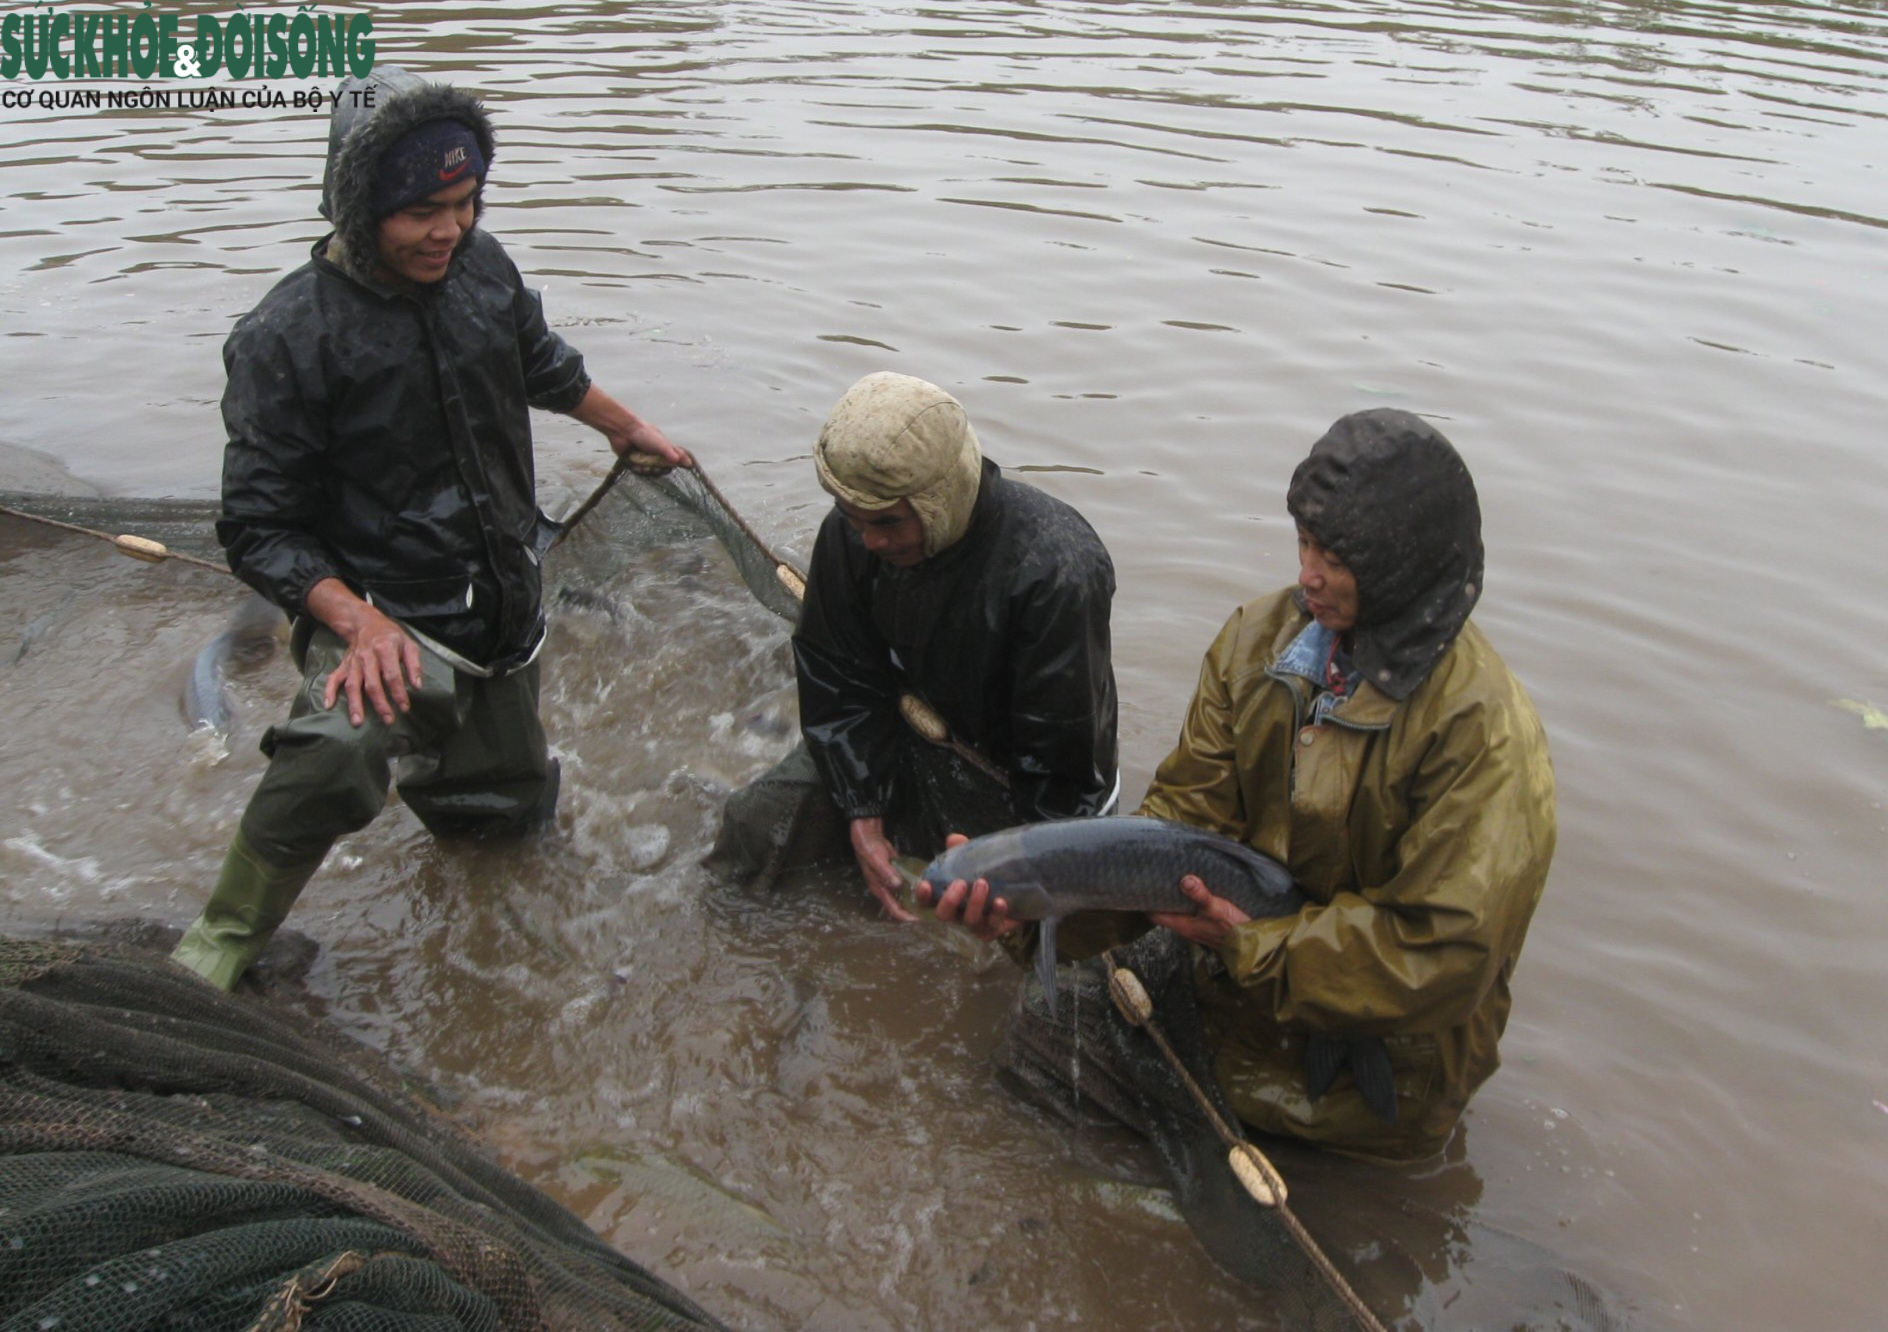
{"points": [[1045, 871]]}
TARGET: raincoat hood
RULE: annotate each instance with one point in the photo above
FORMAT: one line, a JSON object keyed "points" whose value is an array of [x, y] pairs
{"points": [[1389, 495], [358, 134], [893, 437]]}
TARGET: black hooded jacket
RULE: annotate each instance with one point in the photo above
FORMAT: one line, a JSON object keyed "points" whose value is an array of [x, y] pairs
{"points": [[1389, 495], [381, 435], [1004, 633]]}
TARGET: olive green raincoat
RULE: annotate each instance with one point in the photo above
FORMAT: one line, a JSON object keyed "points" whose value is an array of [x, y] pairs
{"points": [[1420, 830]]}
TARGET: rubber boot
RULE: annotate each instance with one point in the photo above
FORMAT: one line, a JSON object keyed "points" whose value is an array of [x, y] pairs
{"points": [[251, 899]]}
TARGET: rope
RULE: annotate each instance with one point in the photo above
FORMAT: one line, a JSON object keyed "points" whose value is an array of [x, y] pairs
{"points": [[137, 547], [582, 511], [1132, 999], [741, 523]]}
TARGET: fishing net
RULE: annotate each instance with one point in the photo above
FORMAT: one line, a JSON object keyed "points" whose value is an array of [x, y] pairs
{"points": [[629, 513], [1404, 1266], [626, 516], [1088, 1065], [783, 821], [173, 1157]]}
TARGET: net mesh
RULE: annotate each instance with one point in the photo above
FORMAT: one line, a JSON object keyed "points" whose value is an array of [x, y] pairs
{"points": [[171, 1156], [629, 513], [1088, 1065]]}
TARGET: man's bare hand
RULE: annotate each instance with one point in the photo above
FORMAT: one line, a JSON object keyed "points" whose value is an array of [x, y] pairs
{"points": [[971, 905], [878, 862], [1211, 924], [381, 658], [629, 433]]}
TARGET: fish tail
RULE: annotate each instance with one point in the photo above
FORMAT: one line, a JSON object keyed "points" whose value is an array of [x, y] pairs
{"points": [[1324, 1056], [1368, 1061], [205, 703]]}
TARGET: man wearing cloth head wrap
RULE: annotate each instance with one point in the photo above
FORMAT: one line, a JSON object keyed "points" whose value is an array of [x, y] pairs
{"points": [[378, 486], [937, 576], [1359, 729]]}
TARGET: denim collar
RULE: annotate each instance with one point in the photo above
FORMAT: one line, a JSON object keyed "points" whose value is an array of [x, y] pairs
{"points": [[1307, 653], [1305, 656]]}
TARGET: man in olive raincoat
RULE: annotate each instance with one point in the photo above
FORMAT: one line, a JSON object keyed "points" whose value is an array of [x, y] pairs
{"points": [[1359, 729], [378, 486]]}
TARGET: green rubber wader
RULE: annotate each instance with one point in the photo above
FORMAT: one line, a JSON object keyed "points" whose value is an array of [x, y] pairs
{"points": [[469, 756]]}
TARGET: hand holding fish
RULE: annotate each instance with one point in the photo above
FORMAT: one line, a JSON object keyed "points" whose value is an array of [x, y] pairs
{"points": [[972, 905], [878, 862], [1211, 920], [1119, 862]]}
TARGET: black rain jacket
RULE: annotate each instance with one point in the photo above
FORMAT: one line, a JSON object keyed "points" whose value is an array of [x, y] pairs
{"points": [[382, 436], [1005, 633]]}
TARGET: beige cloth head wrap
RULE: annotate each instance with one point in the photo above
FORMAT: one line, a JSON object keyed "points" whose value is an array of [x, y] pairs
{"points": [[894, 437]]}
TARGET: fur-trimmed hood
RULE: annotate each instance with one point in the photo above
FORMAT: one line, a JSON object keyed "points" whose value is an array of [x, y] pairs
{"points": [[357, 137]]}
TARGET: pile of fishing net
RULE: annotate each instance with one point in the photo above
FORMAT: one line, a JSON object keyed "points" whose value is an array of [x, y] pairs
{"points": [[174, 1157]]}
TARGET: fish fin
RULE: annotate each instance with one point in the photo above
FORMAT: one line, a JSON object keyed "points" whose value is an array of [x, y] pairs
{"points": [[1324, 1055], [1368, 1060], [1045, 963]]}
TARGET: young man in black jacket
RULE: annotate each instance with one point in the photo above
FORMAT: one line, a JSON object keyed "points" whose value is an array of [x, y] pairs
{"points": [[378, 486]]}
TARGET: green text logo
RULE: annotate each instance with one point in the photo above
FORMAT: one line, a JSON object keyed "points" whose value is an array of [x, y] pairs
{"points": [[101, 44]]}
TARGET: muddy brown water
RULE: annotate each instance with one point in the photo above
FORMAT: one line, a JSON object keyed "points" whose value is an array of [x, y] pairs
{"points": [[1627, 256]]}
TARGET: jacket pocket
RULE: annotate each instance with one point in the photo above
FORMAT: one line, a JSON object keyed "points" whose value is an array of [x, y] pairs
{"points": [[421, 598]]}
